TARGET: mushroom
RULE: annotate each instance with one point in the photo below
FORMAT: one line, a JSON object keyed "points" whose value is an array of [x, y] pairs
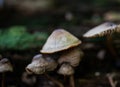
{"points": [[66, 44], [37, 66], [66, 69], [40, 65], [69, 59], [5, 66], [105, 29], [60, 40]]}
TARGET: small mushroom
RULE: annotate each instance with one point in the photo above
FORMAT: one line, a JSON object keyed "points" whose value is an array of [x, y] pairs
{"points": [[60, 40], [66, 69], [5, 66], [41, 64], [105, 29], [70, 59], [71, 56], [37, 66]]}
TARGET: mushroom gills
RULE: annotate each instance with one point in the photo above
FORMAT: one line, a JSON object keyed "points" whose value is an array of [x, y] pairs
{"points": [[101, 30]]}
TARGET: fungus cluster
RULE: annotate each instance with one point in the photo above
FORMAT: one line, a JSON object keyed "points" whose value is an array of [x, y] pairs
{"points": [[59, 42]]}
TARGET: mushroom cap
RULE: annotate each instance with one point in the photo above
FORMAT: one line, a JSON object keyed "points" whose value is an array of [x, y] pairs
{"points": [[37, 66], [5, 65], [66, 69], [71, 56], [101, 30], [60, 40], [31, 69]]}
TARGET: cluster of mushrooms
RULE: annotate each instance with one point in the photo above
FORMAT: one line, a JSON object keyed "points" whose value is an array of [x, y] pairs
{"points": [[60, 50]]}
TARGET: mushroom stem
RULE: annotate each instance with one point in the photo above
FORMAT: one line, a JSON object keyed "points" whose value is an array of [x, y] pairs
{"points": [[110, 46], [72, 81], [3, 80], [110, 78], [54, 80]]}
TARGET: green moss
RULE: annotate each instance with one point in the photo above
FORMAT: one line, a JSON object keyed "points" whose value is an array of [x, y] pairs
{"points": [[19, 39]]}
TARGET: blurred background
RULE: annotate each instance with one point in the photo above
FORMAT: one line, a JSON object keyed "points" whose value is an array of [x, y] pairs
{"points": [[26, 24]]}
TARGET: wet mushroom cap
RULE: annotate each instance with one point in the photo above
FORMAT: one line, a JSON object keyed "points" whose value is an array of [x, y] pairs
{"points": [[71, 56], [66, 69], [101, 30], [60, 40], [5, 65]]}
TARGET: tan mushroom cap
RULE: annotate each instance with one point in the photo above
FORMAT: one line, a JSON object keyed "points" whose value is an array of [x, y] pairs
{"points": [[37, 66], [60, 40], [5, 65], [66, 69], [101, 30], [40, 65]]}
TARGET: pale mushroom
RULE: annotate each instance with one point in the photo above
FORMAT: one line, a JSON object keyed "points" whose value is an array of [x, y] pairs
{"points": [[69, 59], [60, 40], [105, 29], [66, 69], [63, 42], [40, 65], [5, 66]]}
